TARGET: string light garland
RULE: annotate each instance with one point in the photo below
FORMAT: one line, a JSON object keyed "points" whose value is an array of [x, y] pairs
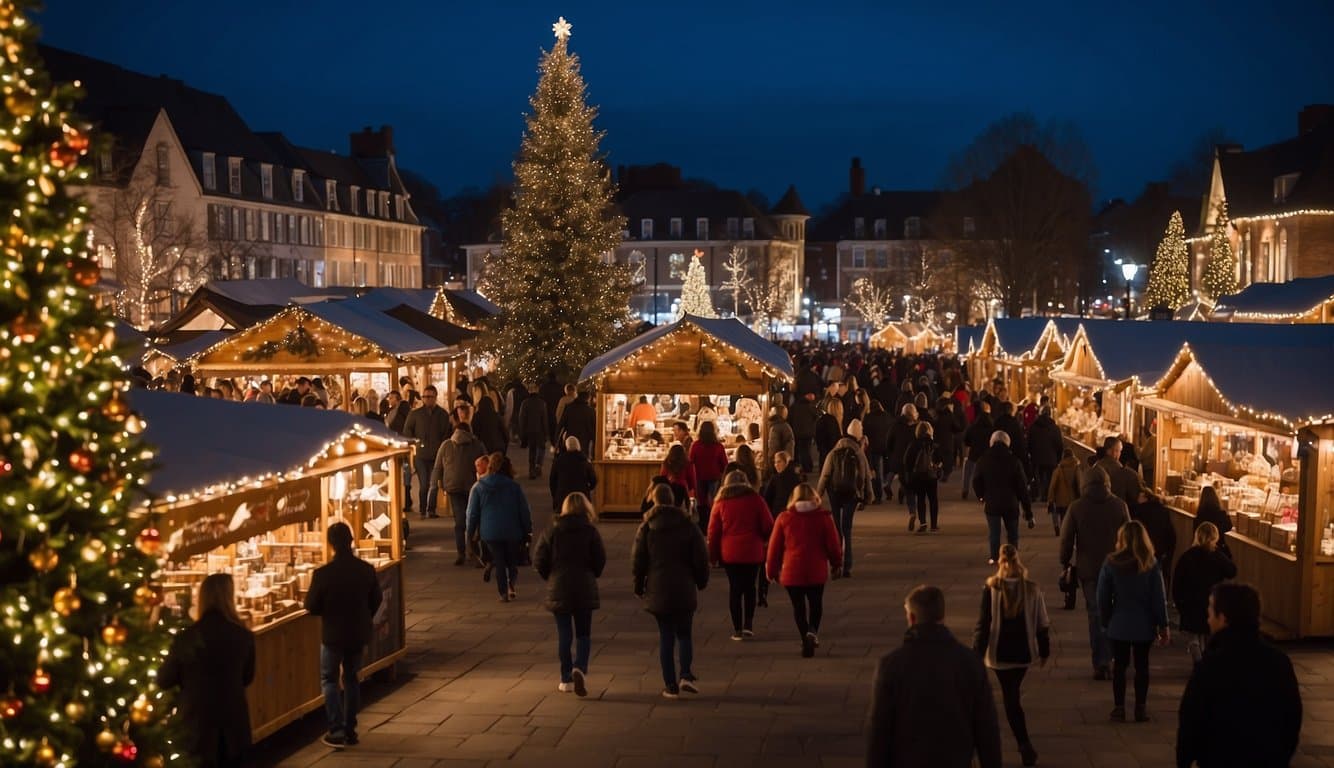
{"points": [[1169, 275], [562, 301], [71, 471], [695, 295], [1220, 271], [254, 344], [666, 347]]}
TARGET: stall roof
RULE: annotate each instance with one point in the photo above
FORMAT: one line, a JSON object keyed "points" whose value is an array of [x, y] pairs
{"points": [[730, 331], [1017, 335], [968, 337], [276, 291], [389, 334], [472, 304], [245, 440], [385, 299], [1283, 300], [184, 350], [431, 325]]}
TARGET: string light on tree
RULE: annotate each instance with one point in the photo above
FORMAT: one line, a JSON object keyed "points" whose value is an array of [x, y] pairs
{"points": [[1220, 271], [1169, 275], [562, 302], [695, 295], [66, 456]]}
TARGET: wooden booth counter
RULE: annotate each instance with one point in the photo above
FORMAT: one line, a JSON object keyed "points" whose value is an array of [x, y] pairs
{"points": [[696, 364], [1270, 464], [251, 490]]}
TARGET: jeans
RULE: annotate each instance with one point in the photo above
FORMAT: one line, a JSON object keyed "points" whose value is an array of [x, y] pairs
{"points": [[877, 462], [537, 448], [741, 594], [994, 522], [427, 490], [843, 512], [340, 707], [505, 559], [1010, 680], [458, 505], [573, 630], [969, 469], [1057, 517], [706, 491], [1098, 644], [674, 630], [807, 607], [1121, 652], [927, 491]]}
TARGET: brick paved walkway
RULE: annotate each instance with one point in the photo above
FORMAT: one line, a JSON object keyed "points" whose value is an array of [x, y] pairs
{"points": [[478, 687]]}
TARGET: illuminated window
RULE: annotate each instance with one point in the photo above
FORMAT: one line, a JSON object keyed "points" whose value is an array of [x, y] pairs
{"points": [[676, 264]]}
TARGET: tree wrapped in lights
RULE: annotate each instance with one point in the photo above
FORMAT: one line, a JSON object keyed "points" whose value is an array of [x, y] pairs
{"points": [[561, 302], [695, 297], [1220, 272], [1169, 276], [872, 300], [79, 618]]}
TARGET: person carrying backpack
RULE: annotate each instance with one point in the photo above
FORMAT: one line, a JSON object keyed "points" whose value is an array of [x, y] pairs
{"points": [[923, 463], [846, 478]]}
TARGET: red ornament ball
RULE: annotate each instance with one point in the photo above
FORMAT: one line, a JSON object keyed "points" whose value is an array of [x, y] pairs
{"points": [[125, 751], [11, 707], [149, 541], [40, 682], [77, 141], [81, 461], [84, 271], [25, 329]]}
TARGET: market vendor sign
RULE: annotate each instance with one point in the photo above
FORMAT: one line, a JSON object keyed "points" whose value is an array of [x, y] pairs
{"points": [[204, 526]]}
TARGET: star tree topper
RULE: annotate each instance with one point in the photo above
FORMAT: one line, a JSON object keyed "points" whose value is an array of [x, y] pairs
{"points": [[561, 28]]}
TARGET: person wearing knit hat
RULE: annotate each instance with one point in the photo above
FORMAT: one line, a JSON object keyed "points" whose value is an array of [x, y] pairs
{"points": [[846, 477]]}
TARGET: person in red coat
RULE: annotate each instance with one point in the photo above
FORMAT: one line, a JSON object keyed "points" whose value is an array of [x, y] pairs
{"points": [[739, 526], [709, 459], [678, 469], [804, 550]]}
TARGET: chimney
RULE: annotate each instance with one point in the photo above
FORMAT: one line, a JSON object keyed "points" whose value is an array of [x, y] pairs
{"points": [[856, 178], [1314, 116], [368, 143]]}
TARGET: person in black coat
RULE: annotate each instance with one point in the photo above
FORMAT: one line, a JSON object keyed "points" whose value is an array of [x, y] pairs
{"points": [[579, 420], [213, 662], [1157, 522], [571, 472], [570, 558], [670, 564], [931, 701], [1242, 706], [1009, 424], [345, 594], [876, 426], [1002, 486], [1210, 510], [829, 428], [533, 429], [976, 440], [1199, 569], [1045, 446], [802, 417], [901, 435], [781, 483], [487, 427]]}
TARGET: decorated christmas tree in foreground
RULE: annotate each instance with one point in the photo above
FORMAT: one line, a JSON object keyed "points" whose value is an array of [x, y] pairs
{"points": [[561, 303], [1220, 271], [82, 638], [1169, 277], [695, 297]]}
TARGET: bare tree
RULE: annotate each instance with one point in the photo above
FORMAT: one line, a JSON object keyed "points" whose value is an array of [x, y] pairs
{"points": [[919, 303], [769, 292], [153, 248], [872, 299], [739, 278]]}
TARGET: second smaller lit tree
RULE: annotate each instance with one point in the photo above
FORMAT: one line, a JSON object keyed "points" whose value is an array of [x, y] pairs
{"points": [[1220, 272], [695, 296]]}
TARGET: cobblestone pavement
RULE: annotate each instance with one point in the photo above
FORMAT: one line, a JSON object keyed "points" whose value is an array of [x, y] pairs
{"points": [[478, 687]]}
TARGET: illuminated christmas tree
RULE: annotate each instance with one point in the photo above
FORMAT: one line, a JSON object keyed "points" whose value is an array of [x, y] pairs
{"points": [[561, 302], [1169, 276], [695, 297], [1220, 272], [82, 635]]}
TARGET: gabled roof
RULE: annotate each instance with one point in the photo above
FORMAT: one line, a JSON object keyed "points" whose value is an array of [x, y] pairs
{"points": [[688, 204], [472, 305], [292, 436], [391, 335], [790, 204], [1248, 177], [1018, 335], [1286, 300], [730, 331], [242, 303], [434, 327], [895, 207], [184, 350], [968, 338]]}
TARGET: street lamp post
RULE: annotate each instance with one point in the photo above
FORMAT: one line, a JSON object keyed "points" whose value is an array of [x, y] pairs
{"points": [[1128, 270]]}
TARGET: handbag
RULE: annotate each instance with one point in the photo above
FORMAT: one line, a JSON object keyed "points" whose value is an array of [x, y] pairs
{"points": [[1068, 581]]}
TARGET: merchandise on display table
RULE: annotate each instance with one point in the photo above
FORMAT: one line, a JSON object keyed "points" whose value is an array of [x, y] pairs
{"points": [[1259, 509], [632, 436]]}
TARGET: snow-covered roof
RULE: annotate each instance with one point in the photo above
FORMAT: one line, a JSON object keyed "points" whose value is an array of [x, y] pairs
{"points": [[387, 298], [274, 291], [184, 350], [1279, 300], [730, 331], [393, 336], [968, 337], [202, 443]]}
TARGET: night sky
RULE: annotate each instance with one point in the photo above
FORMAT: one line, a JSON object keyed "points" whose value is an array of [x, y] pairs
{"points": [[751, 95]]}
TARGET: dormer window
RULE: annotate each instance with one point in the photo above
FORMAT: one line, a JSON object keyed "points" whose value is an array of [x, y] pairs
{"points": [[266, 180], [859, 228], [912, 228], [748, 228], [353, 199], [370, 202], [733, 228], [209, 165], [646, 229], [330, 195], [234, 175], [1283, 186], [969, 226], [701, 229], [299, 185], [384, 206], [881, 229], [674, 229]]}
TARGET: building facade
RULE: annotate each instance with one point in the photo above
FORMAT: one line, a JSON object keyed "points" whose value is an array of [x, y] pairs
{"points": [[182, 191]]}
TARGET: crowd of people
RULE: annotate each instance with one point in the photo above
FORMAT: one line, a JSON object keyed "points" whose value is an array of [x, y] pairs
{"points": [[855, 428]]}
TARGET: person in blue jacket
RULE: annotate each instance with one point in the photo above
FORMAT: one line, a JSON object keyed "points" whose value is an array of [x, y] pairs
{"points": [[1133, 605], [498, 511]]}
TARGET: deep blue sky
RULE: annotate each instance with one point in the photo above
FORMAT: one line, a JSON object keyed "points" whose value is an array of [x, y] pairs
{"points": [[748, 94]]}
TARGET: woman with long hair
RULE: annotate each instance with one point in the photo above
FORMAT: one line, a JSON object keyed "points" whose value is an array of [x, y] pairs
{"points": [[1198, 570], [1133, 605], [1013, 632], [708, 457], [570, 558], [744, 461], [213, 661], [678, 470], [738, 532], [804, 551], [1210, 510]]}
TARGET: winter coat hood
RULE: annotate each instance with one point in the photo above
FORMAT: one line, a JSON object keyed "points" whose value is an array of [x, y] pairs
{"points": [[1095, 484]]}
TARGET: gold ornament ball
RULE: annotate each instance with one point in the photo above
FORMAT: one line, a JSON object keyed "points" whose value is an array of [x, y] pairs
{"points": [[105, 740], [93, 551], [114, 634], [141, 711], [21, 104], [66, 601], [43, 559], [76, 711], [154, 761], [46, 754], [116, 408], [149, 541], [146, 596]]}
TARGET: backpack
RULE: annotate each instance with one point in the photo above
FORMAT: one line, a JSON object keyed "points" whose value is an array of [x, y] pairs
{"points": [[924, 465], [844, 480]]}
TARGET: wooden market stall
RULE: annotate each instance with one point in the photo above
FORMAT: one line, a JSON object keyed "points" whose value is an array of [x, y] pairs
{"points": [[675, 365], [1301, 300], [912, 338], [255, 499], [1020, 352], [1254, 423], [354, 343]]}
